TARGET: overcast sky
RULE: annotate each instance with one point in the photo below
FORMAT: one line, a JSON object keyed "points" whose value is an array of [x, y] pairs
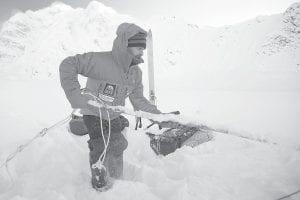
{"points": [[202, 12]]}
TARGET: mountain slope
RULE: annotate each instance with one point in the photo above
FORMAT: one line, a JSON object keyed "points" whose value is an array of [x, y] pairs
{"points": [[32, 44], [262, 53]]}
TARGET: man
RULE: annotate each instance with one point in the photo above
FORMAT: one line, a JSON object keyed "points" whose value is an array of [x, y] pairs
{"points": [[112, 76]]}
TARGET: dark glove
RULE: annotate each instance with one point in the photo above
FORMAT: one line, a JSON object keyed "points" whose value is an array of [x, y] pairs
{"points": [[174, 112]]}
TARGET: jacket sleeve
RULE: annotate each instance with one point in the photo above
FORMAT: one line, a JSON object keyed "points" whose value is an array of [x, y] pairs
{"points": [[69, 70], [138, 100]]}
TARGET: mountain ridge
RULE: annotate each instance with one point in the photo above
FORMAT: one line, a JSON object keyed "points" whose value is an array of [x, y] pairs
{"points": [[32, 44]]}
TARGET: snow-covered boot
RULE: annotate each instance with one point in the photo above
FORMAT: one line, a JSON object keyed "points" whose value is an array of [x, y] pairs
{"points": [[99, 176], [98, 171]]}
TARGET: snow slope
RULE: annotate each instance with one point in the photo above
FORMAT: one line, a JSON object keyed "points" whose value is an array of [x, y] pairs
{"points": [[243, 77], [56, 165], [259, 54]]}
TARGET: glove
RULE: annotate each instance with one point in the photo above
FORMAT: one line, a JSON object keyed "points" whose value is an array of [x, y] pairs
{"points": [[174, 112]]}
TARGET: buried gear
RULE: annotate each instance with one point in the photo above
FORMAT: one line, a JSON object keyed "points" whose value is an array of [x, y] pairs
{"points": [[176, 137]]}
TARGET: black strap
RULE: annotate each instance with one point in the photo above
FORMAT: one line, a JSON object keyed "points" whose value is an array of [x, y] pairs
{"points": [[138, 123]]}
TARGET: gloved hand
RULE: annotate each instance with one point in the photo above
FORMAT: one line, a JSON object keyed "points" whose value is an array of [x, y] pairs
{"points": [[174, 112]]}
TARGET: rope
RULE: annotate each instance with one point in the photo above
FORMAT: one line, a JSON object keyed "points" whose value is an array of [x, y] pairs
{"points": [[289, 195], [103, 155], [100, 162], [20, 148]]}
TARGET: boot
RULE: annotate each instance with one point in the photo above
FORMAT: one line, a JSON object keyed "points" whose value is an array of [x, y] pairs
{"points": [[98, 171], [99, 176], [113, 162]]}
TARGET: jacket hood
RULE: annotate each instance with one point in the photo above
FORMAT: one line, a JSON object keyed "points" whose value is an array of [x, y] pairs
{"points": [[119, 49]]}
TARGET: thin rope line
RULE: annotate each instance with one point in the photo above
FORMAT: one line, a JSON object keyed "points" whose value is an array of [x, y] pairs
{"points": [[284, 197], [21, 147], [100, 162]]}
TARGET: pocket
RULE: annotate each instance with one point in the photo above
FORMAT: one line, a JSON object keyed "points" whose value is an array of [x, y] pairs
{"points": [[124, 121], [118, 124], [77, 126]]}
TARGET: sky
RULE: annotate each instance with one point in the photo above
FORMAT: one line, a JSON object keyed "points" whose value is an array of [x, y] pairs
{"points": [[201, 12]]}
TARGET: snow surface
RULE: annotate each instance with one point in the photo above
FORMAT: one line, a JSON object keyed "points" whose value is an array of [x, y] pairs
{"points": [[56, 166], [244, 78]]}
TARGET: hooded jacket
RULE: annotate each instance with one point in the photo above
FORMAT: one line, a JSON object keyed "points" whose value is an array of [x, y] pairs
{"points": [[110, 76]]}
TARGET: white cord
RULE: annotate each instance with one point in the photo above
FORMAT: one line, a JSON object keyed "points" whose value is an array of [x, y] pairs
{"points": [[100, 162], [103, 155]]}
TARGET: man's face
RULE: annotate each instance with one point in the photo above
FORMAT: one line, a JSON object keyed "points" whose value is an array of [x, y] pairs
{"points": [[137, 52]]}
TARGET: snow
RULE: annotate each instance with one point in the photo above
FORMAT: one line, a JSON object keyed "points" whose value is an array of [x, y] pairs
{"points": [[56, 165], [48, 35], [224, 77]]}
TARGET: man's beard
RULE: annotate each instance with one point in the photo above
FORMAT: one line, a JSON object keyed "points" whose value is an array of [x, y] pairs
{"points": [[137, 60]]}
